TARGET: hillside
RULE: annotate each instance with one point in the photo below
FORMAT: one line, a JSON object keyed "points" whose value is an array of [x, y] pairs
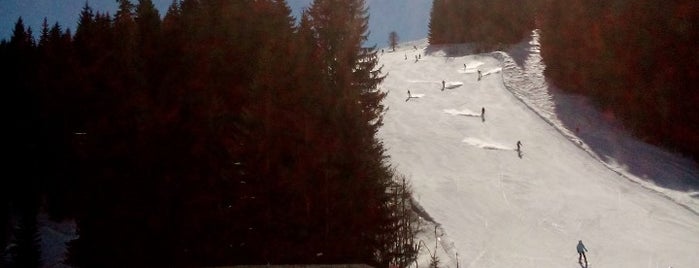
{"points": [[499, 208]]}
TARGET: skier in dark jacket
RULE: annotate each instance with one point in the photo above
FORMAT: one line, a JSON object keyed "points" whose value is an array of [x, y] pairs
{"points": [[581, 252]]}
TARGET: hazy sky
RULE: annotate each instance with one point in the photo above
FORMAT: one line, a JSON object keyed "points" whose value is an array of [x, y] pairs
{"points": [[408, 18]]}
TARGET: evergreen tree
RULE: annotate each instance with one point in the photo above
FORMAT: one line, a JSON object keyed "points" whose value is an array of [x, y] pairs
{"points": [[21, 188], [486, 23], [180, 144], [349, 89], [651, 96], [43, 39], [393, 40], [436, 26], [149, 36]]}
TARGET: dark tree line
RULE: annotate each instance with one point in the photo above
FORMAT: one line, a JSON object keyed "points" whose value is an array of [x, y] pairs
{"points": [[637, 60], [487, 23], [223, 133]]}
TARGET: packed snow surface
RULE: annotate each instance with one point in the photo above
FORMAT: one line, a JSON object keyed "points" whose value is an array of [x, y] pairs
{"points": [[499, 207]]}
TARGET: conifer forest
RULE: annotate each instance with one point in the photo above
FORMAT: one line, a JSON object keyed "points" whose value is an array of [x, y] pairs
{"points": [[223, 132]]}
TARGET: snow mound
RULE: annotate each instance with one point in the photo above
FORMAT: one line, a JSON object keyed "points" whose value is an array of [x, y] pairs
{"points": [[463, 112], [474, 64], [492, 71], [452, 85], [486, 145], [467, 71], [470, 67], [424, 81]]}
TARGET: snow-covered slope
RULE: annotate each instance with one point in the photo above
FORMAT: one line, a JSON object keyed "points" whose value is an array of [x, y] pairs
{"points": [[501, 208]]}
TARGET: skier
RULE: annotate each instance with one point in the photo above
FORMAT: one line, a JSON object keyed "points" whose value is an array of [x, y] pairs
{"points": [[464, 66], [519, 146], [406, 56], [408, 96], [479, 75], [483, 112], [581, 252], [443, 85]]}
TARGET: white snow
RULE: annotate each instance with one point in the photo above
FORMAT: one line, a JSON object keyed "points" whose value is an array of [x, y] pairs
{"points": [[54, 237], [627, 201], [489, 145], [452, 85], [463, 112]]}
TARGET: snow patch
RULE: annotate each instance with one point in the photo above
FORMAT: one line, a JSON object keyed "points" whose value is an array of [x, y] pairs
{"points": [[470, 67], [492, 71], [463, 112], [424, 81], [485, 145], [452, 85], [474, 64], [54, 239]]}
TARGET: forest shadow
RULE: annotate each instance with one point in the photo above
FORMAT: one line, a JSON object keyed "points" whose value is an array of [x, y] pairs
{"points": [[605, 136], [520, 52], [599, 131]]}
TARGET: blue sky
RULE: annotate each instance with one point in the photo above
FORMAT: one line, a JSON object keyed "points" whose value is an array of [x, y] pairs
{"points": [[409, 18]]}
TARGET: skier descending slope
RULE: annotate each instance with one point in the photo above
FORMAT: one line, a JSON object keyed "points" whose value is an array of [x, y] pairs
{"points": [[581, 252], [519, 149]]}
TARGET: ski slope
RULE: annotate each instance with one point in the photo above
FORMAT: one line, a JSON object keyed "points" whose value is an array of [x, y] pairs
{"points": [[497, 207]]}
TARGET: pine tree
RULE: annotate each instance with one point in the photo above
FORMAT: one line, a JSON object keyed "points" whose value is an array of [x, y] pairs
{"points": [[436, 26], [84, 35], [44, 37], [393, 40], [149, 36], [349, 88]]}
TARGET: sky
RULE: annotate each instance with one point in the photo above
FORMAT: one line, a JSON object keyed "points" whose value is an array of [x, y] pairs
{"points": [[409, 18]]}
